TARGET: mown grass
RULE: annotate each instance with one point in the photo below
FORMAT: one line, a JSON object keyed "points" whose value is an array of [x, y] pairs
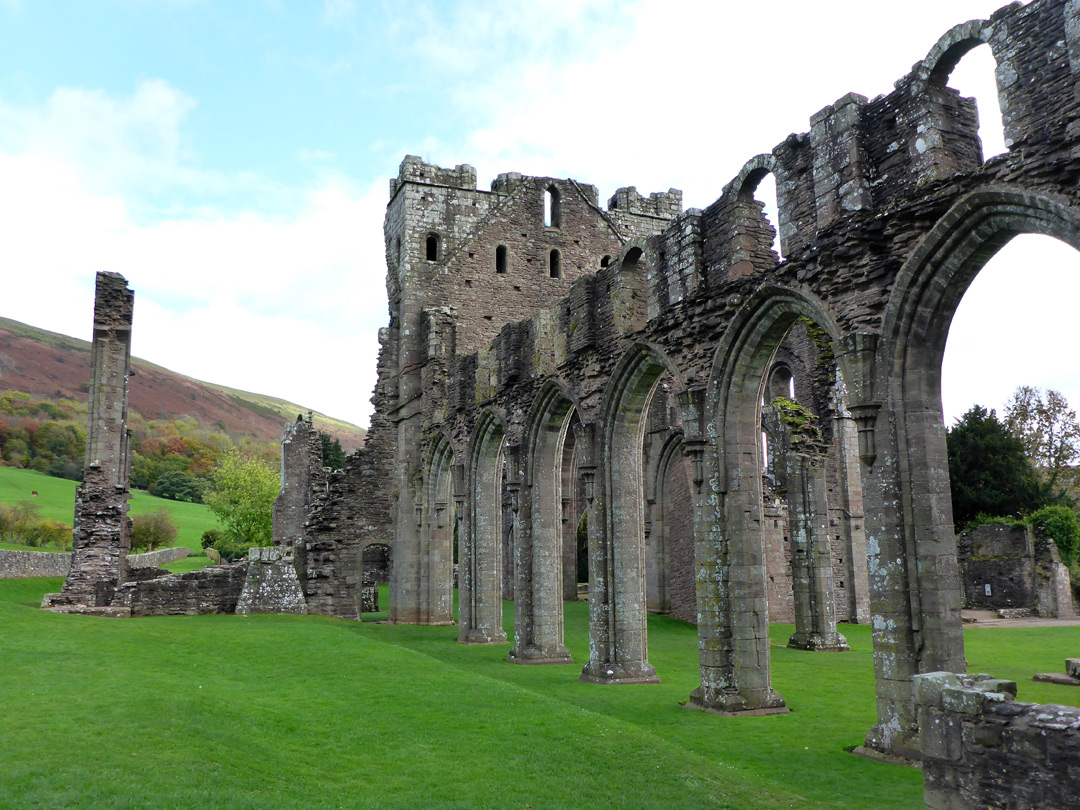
{"points": [[306, 711], [56, 500]]}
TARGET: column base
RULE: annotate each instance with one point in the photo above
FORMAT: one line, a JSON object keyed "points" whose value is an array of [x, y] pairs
{"points": [[537, 655], [891, 746], [476, 636], [597, 672], [730, 703], [819, 642]]}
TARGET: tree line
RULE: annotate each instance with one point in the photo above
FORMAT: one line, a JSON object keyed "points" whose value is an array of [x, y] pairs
{"points": [[1023, 467]]}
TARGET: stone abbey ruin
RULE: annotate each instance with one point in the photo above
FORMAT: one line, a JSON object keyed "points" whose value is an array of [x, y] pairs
{"points": [[741, 439]]}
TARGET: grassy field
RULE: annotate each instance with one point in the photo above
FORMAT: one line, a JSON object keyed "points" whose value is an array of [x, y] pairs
{"points": [[311, 712], [56, 499]]}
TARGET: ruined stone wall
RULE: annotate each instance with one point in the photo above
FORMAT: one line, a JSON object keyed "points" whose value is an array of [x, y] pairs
{"points": [[997, 566], [153, 559], [885, 215], [16, 564], [303, 480], [208, 590], [981, 748], [1019, 568]]}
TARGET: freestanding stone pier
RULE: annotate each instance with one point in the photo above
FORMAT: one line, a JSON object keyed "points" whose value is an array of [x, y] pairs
{"points": [[102, 536]]}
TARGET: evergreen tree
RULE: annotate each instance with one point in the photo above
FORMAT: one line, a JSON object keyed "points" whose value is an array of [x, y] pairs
{"points": [[332, 454], [988, 471]]}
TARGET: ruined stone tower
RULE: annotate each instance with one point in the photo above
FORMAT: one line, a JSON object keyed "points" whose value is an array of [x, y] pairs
{"points": [[102, 536]]}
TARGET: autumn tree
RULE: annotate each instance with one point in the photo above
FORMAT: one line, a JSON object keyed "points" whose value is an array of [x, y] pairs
{"points": [[1048, 430], [241, 494]]}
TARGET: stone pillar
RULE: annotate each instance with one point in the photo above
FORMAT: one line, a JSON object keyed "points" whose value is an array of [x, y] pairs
{"points": [[102, 536], [538, 600], [811, 565], [733, 611], [888, 570], [438, 603], [853, 522], [840, 182], [480, 544], [617, 615]]}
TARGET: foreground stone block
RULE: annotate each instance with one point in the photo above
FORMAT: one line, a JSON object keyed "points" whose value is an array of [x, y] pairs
{"points": [[271, 585]]}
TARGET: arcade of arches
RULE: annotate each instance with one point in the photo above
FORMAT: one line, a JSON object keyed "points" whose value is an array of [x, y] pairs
{"points": [[742, 438]]}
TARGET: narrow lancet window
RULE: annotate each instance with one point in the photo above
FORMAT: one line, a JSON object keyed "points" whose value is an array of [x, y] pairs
{"points": [[433, 247], [555, 264], [500, 259]]}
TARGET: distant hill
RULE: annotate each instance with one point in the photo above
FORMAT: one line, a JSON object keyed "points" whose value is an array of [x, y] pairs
{"points": [[47, 364]]}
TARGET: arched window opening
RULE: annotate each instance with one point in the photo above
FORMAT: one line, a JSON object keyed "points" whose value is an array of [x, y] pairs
{"points": [[604, 262], [972, 76], [555, 264], [781, 384], [632, 258], [1000, 324], [763, 190], [500, 259], [432, 247], [552, 213]]}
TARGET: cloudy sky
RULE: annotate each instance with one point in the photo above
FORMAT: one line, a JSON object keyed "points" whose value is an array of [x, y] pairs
{"points": [[231, 158]]}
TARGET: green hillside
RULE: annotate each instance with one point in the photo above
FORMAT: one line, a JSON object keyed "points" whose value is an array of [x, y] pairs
{"points": [[56, 500]]}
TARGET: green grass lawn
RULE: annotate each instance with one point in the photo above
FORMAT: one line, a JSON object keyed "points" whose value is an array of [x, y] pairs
{"points": [[56, 500], [311, 712]]}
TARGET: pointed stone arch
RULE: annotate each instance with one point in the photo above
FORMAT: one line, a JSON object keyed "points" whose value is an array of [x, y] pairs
{"points": [[916, 604], [732, 594]]}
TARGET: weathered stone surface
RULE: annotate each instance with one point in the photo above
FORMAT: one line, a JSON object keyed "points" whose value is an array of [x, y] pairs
{"points": [[14, 564], [654, 333], [208, 590], [1013, 570], [102, 535], [982, 749], [271, 584]]}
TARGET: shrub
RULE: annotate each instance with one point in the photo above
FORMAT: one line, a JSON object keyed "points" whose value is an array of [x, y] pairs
{"points": [[210, 537], [55, 533], [1059, 523], [232, 548], [152, 530]]}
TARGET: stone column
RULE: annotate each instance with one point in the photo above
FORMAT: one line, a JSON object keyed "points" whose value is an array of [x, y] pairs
{"points": [[538, 602], [480, 546], [811, 565], [733, 611], [102, 536], [617, 615]]}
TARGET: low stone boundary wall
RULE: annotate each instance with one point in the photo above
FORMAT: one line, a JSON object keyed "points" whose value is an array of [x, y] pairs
{"points": [[982, 749], [153, 559], [208, 590], [17, 564]]}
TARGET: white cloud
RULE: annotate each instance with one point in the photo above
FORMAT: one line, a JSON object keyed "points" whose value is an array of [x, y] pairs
{"points": [[283, 305], [338, 12]]}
